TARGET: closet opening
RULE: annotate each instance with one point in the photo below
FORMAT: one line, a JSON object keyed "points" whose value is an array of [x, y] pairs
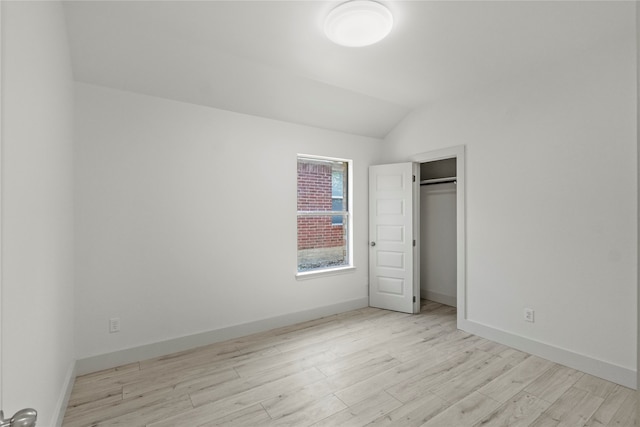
{"points": [[438, 231]]}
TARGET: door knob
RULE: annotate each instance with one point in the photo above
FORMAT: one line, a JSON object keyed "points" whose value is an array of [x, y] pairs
{"points": [[373, 243], [23, 418]]}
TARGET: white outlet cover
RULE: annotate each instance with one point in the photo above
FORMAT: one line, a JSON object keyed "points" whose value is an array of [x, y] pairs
{"points": [[529, 315], [114, 325]]}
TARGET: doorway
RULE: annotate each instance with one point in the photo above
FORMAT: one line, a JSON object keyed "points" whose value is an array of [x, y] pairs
{"points": [[458, 154], [438, 182]]}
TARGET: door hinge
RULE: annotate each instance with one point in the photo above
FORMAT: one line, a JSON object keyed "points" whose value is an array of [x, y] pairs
{"points": [[414, 178], [414, 298], [414, 242]]}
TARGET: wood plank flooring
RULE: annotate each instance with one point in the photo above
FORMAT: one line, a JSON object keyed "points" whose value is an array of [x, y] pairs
{"points": [[364, 367]]}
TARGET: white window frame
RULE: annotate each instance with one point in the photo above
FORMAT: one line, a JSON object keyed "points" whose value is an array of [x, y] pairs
{"points": [[343, 268]]}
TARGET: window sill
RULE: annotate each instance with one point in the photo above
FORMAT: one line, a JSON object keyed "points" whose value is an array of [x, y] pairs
{"points": [[322, 273]]}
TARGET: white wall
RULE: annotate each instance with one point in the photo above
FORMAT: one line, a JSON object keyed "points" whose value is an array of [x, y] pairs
{"points": [[438, 243], [186, 219], [551, 199], [37, 209]]}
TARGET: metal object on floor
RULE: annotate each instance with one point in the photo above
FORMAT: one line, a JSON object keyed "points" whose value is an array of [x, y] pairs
{"points": [[23, 418]]}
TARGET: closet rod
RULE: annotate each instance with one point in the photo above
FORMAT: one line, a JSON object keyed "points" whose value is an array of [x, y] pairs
{"points": [[438, 181]]}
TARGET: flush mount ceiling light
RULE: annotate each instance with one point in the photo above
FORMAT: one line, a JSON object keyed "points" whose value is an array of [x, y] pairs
{"points": [[358, 23]]}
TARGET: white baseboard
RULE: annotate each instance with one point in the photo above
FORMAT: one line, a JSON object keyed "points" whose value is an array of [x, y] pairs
{"points": [[148, 351], [608, 371], [617, 374], [438, 297], [65, 394]]}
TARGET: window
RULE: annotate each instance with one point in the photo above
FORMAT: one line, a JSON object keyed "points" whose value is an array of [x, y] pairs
{"points": [[323, 213]]}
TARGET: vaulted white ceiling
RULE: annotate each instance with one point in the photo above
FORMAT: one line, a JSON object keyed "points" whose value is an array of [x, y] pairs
{"points": [[271, 58]]}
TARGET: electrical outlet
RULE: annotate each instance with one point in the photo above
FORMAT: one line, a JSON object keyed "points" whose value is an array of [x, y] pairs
{"points": [[529, 315], [114, 325]]}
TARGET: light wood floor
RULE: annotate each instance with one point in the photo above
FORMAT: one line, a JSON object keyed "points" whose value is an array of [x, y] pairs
{"points": [[363, 367]]}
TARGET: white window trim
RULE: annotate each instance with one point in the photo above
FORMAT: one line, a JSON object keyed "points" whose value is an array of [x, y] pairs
{"points": [[304, 275]]}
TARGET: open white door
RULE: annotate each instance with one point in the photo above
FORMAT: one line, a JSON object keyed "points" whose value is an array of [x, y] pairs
{"points": [[394, 277]]}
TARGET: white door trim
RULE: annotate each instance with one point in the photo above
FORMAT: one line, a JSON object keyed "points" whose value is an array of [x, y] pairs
{"points": [[457, 152], [1, 160], [415, 217]]}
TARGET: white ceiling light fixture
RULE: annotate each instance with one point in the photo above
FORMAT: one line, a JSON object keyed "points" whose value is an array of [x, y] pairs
{"points": [[358, 23]]}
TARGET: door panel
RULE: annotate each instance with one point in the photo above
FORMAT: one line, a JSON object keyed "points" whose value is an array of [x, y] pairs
{"points": [[390, 259], [393, 283]]}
